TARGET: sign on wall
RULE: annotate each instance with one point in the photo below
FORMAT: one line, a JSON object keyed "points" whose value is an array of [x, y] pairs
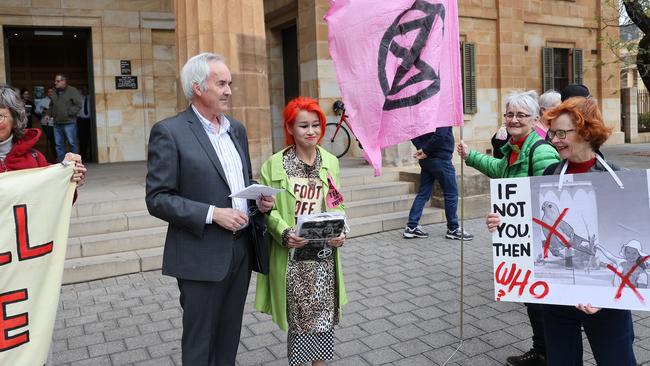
{"points": [[586, 241], [125, 67], [126, 82]]}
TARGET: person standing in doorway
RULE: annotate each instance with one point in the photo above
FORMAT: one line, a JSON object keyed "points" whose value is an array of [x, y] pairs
{"points": [[83, 126], [434, 156], [66, 103], [29, 106]]}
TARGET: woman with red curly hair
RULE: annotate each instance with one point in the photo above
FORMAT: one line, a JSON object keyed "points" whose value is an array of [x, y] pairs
{"points": [[577, 131], [303, 293]]}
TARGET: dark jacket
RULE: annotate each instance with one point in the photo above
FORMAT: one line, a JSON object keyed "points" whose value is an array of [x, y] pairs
{"points": [[438, 144], [184, 177], [65, 105]]}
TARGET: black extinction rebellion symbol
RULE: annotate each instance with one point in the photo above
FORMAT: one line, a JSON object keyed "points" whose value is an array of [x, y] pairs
{"points": [[423, 84]]}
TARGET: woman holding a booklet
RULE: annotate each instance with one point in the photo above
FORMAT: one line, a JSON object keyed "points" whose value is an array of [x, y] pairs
{"points": [[304, 290]]}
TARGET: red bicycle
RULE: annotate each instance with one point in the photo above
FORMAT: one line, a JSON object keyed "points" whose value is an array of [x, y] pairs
{"points": [[337, 136]]}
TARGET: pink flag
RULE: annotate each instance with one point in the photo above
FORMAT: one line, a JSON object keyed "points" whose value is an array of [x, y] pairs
{"points": [[398, 67]]}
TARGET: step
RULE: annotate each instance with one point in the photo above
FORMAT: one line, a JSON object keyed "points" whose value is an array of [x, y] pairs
{"points": [[102, 266], [366, 177], [111, 206], [109, 223], [473, 206], [475, 182], [395, 220], [122, 241], [376, 206], [376, 190], [81, 269]]}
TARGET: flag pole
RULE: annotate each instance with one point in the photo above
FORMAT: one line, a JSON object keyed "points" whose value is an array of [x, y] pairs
{"points": [[462, 251]]}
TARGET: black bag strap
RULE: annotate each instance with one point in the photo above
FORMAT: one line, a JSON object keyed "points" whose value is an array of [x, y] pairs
{"points": [[532, 151]]}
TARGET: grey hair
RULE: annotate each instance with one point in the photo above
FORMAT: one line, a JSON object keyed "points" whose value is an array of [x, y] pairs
{"points": [[196, 70], [525, 100], [549, 100], [10, 100]]}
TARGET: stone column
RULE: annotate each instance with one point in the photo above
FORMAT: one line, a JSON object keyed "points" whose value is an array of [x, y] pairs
{"points": [[630, 115], [234, 29]]}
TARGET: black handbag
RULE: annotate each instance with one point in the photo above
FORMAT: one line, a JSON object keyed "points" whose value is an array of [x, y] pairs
{"points": [[260, 263]]}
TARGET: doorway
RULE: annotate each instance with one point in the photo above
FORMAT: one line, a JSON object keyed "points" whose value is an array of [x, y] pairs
{"points": [[34, 55]]}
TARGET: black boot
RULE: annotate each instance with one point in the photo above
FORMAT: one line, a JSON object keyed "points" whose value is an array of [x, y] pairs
{"points": [[530, 358]]}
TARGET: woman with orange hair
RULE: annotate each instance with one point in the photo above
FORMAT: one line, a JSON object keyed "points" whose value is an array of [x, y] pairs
{"points": [[577, 131], [303, 295]]}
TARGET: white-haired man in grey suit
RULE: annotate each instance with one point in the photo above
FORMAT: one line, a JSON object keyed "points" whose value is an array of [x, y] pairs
{"points": [[196, 160]]}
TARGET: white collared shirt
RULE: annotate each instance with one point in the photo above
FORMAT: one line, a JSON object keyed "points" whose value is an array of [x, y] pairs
{"points": [[229, 158]]}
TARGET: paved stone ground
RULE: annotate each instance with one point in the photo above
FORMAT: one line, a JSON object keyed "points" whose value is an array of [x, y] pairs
{"points": [[403, 309]]}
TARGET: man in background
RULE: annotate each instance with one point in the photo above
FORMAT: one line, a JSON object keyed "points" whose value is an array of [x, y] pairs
{"points": [[434, 156], [66, 103]]}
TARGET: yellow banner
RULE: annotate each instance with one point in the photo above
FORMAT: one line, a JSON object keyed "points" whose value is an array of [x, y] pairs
{"points": [[35, 207]]}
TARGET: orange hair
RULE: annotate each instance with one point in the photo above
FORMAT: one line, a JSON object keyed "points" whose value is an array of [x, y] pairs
{"points": [[291, 112], [586, 117]]}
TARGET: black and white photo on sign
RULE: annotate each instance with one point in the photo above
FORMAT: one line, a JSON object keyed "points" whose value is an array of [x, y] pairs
{"points": [[596, 224]]}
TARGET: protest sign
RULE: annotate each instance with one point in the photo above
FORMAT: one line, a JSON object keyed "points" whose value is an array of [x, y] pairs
{"points": [[585, 241], [35, 206], [398, 67]]}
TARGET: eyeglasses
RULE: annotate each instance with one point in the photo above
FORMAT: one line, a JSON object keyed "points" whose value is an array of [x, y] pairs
{"points": [[561, 134], [519, 116], [4, 117], [58, 80]]}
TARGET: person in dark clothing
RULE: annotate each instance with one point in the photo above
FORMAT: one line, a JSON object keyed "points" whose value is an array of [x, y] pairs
{"points": [[434, 156], [29, 106]]}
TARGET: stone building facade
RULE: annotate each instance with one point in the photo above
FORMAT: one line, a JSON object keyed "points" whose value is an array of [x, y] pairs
{"points": [[278, 49]]}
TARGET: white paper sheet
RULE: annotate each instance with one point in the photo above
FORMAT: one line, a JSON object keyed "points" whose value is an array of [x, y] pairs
{"points": [[255, 191]]}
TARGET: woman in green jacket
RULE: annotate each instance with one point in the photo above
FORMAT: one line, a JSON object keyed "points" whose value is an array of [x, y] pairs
{"points": [[302, 296], [522, 111]]}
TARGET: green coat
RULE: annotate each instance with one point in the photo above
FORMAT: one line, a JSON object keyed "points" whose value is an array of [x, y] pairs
{"points": [[271, 292], [544, 156]]}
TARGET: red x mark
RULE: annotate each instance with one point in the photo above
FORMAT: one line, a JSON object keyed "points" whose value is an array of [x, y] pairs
{"points": [[625, 279], [553, 231]]}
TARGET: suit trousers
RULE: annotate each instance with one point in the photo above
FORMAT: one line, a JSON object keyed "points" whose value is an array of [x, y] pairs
{"points": [[212, 311]]}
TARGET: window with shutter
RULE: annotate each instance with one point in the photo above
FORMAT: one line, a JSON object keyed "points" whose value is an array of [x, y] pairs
{"points": [[548, 70], [469, 78], [577, 66]]}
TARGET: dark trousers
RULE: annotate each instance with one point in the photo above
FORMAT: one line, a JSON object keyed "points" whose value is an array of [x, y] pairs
{"points": [[609, 331], [443, 171], [83, 132], [212, 312], [536, 317]]}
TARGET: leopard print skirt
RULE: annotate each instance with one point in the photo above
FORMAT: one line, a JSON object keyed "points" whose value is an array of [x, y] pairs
{"points": [[311, 296], [312, 310]]}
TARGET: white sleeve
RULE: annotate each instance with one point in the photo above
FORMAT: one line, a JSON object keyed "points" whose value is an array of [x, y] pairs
{"points": [[208, 218]]}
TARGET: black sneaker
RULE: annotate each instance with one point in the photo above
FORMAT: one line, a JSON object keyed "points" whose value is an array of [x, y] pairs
{"points": [[416, 232], [530, 358], [456, 235]]}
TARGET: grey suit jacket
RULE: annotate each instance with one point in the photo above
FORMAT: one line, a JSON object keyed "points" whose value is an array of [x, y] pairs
{"points": [[184, 177]]}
